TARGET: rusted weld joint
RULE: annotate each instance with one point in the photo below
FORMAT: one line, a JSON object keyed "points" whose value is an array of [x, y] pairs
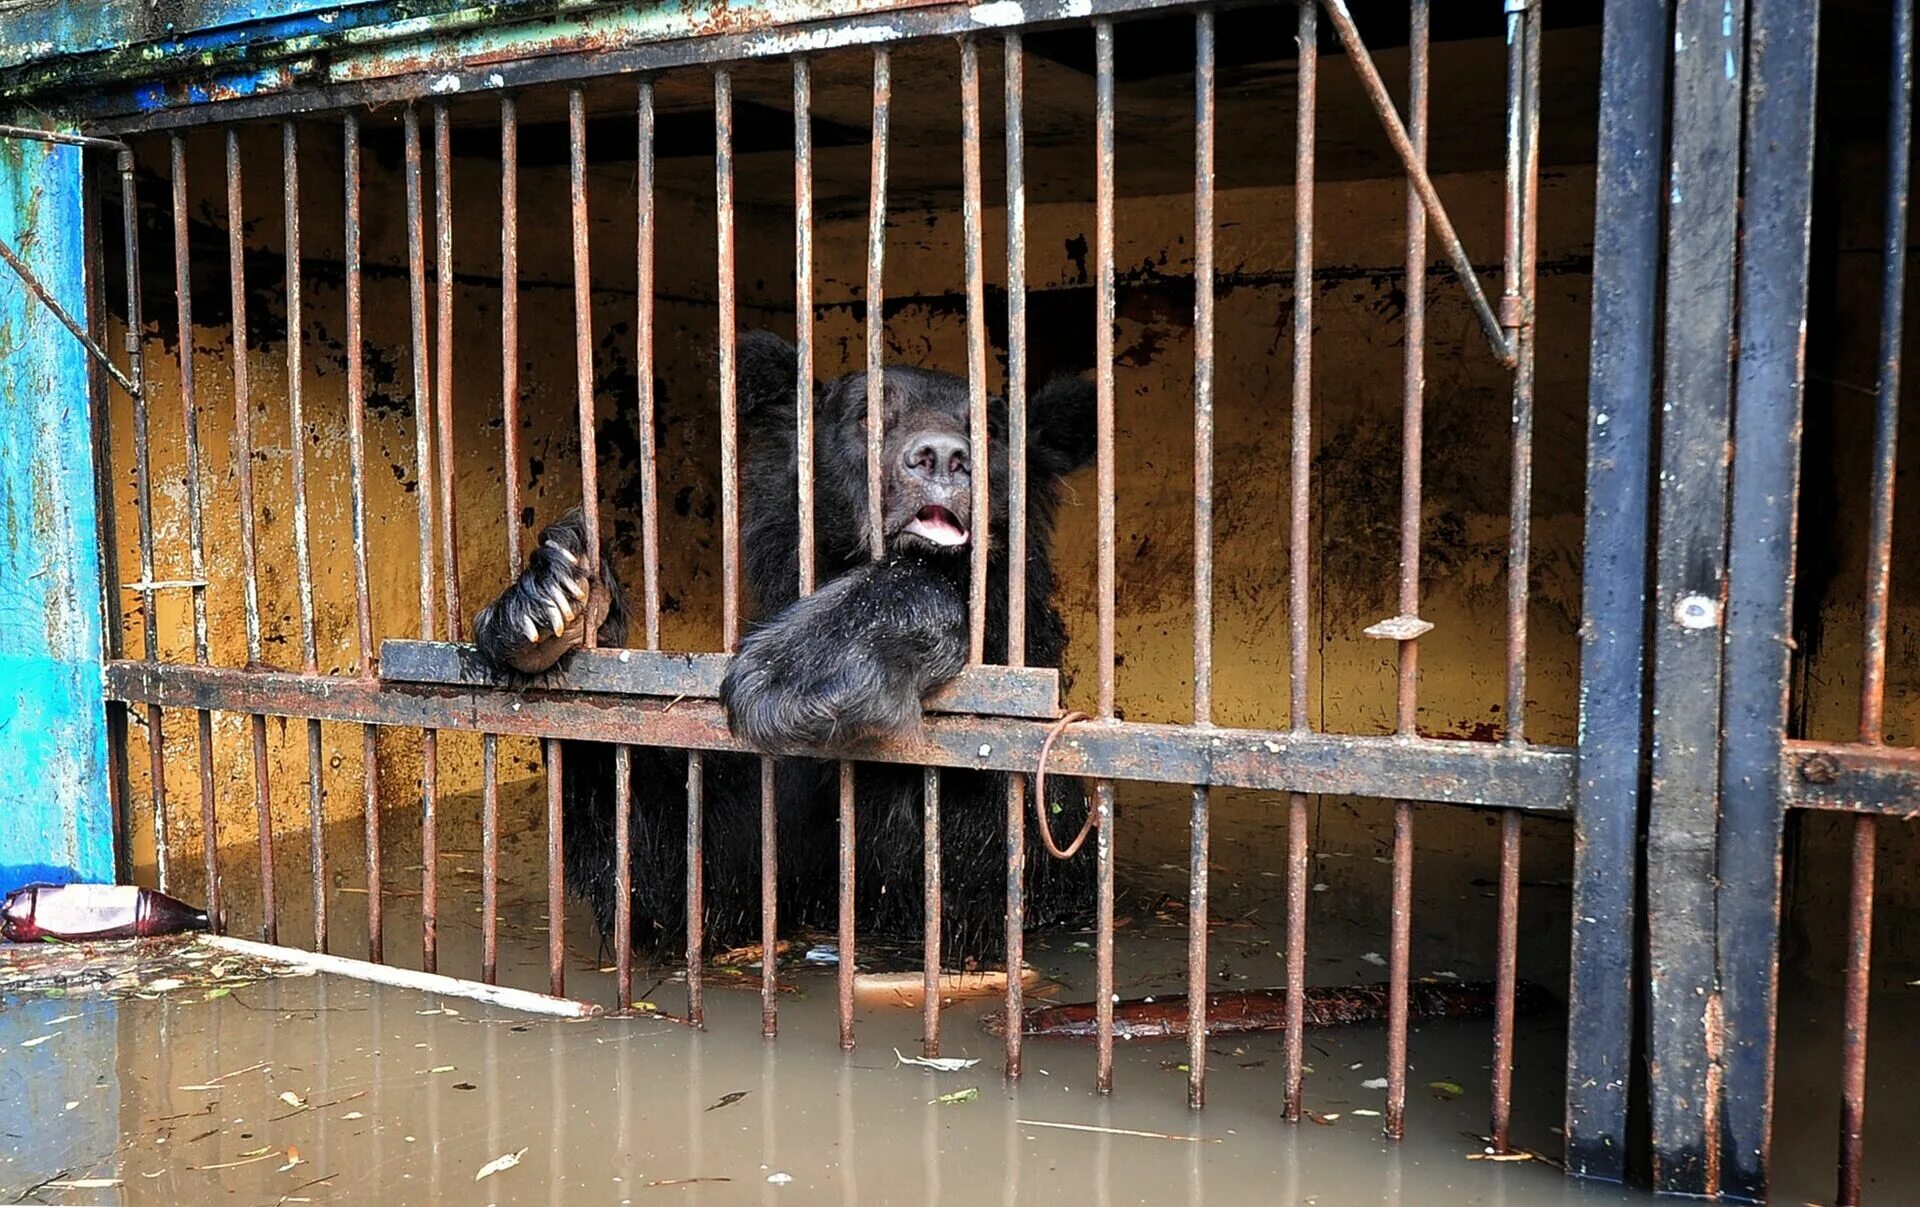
{"points": [[1040, 794]]}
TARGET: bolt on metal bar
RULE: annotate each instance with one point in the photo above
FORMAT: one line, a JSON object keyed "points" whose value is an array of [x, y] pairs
{"points": [[1104, 468], [1203, 421], [1299, 533], [980, 456], [302, 547], [696, 899], [1873, 678], [196, 529], [876, 300], [357, 469], [423, 424], [1015, 136], [443, 359], [930, 901], [1397, 135], [643, 351], [243, 463]]}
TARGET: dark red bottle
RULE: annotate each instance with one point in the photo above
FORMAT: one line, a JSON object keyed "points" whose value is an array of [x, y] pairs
{"points": [[77, 912]]}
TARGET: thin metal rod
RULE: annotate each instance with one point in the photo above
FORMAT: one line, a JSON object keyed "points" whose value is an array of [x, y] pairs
{"points": [[1376, 90], [38, 290], [1203, 370], [1104, 468], [443, 359], [490, 859], [1504, 979], [623, 876], [556, 871], [302, 548], [1299, 533], [1103, 940], [876, 299], [729, 385], [803, 435], [643, 355], [243, 465], [843, 972], [196, 530], [1016, 520], [424, 469], [510, 482], [972, 219], [930, 913], [1400, 938], [696, 898], [583, 342], [1853, 1048], [357, 469], [769, 901]]}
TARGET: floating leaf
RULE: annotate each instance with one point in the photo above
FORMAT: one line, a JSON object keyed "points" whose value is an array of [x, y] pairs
{"points": [[292, 1099], [1363, 1111], [945, 1064], [65, 1018], [36, 1042], [218, 991], [465, 1085], [728, 1099], [258, 1152], [499, 1164], [1446, 1087], [441, 1069], [779, 1179], [966, 1095], [353, 1115]]}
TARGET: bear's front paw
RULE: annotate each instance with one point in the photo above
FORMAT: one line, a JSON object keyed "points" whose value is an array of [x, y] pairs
{"points": [[783, 694], [543, 615]]}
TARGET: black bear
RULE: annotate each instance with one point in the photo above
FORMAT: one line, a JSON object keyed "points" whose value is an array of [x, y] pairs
{"points": [[849, 662]]}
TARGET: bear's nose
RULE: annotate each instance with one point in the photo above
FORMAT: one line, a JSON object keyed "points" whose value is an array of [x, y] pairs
{"points": [[937, 455]]}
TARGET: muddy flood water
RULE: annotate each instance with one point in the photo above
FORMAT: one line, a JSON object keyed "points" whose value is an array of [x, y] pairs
{"points": [[213, 1085]]}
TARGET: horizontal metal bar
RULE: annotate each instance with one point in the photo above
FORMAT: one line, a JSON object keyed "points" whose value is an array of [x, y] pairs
{"points": [[991, 691], [64, 139], [1852, 778], [1536, 778]]}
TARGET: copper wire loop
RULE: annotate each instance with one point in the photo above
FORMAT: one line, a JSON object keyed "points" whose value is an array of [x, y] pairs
{"points": [[1040, 794]]}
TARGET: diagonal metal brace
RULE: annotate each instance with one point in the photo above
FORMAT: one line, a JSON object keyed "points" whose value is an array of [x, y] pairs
{"points": [[1362, 60]]}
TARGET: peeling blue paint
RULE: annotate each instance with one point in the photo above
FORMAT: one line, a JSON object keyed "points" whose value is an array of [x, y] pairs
{"points": [[56, 821]]}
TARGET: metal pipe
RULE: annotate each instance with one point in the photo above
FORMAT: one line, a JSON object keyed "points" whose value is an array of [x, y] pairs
{"points": [[556, 870], [643, 353], [357, 469], [510, 482], [1104, 468], [696, 903], [803, 435], [623, 877], [1203, 369], [729, 384], [583, 342], [424, 468], [769, 901], [1859, 984], [843, 971], [443, 385], [930, 913], [876, 301], [1015, 135], [972, 219]]}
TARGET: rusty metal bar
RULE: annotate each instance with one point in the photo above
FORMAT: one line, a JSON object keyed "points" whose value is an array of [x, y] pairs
{"points": [[876, 299], [424, 467], [973, 219], [729, 384], [1103, 118], [1538, 779], [1376, 90], [643, 357], [843, 971], [696, 897], [1406, 709], [357, 469], [443, 357], [196, 529], [1015, 134], [490, 859], [1203, 285], [510, 483], [556, 865], [243, 467], [1851, 778], [769, 901], [803, 313], [1299, 533], [930, 902], [302, 549], [39, 291], [1504, 978], [583, 341], [1853, 1046], [623, 877]]}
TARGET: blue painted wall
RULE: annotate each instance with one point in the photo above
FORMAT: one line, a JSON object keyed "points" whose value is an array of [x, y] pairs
{"points": [[56, 822]]}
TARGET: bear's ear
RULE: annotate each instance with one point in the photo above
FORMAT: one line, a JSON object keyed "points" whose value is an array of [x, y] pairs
{"points": [[1062, 423], [769, 371]]}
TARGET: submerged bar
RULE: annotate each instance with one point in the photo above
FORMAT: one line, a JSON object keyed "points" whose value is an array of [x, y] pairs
{"points": [[302, 551], [696, 900], [930, 902], [1412, 411], [623, 877], [243, 472], [1103, 361], [423, 455], [357, 468], [1203, 285], [1016, 517]]}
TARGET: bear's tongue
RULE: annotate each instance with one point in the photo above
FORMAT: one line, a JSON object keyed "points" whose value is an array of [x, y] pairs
{"points": [[938, 525]]}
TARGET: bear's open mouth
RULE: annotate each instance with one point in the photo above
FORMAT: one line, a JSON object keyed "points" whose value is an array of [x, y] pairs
{"points": [[936, 525]]}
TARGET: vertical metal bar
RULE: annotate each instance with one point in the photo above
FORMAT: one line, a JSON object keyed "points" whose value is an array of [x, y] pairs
{"points": [[490, 859], [196, 530], [1104, 468], [696, 900], [1523, 144], [769, 902], [357, 468], [1873, 678], [930, 901], [443, 357], [302, 550], [556, 865], [803, 312], [972, 219], [643, 353], [623, 876], [1016, 520], [510, 481], [729, 393], [583, 337], [243, 464], [1627, 251], [843, 972], [1406, 710], [424, 468], [1690, 564], [1299, 532], [1203, 285], [876, 298]]}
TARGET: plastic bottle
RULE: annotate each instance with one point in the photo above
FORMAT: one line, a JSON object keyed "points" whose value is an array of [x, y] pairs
{"points": [[78, 912]]}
